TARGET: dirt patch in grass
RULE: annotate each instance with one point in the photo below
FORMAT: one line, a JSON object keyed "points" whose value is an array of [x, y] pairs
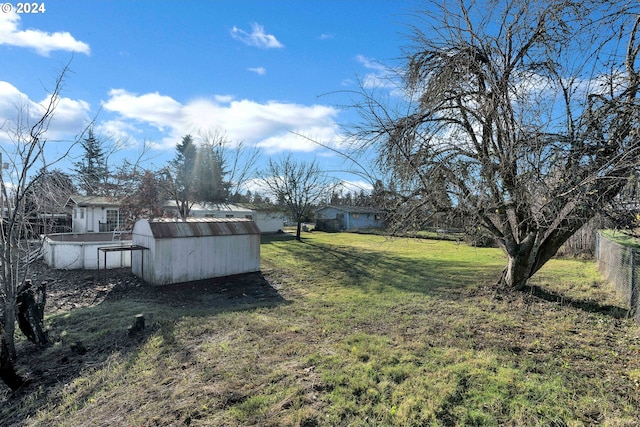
{"points": [[87, 295], [70, 289]]}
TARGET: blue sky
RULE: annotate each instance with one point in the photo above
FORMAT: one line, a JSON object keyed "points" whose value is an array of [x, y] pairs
{"points": [[153, 71]]}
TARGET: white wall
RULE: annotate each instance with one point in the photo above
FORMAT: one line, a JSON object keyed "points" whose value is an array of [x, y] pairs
{"points": [[79, 219], [177, 260], [87, 219], [187, 259], [84, 255], [269, 223]]}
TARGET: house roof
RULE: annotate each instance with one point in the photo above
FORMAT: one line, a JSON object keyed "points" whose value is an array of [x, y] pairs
{"points": [[209, 207], [353, 209], [272, 209], [79, 200], [167, 228]]}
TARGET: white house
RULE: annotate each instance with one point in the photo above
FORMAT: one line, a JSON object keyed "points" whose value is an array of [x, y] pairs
{"points": [[93, 214], [269, 221], [211, 210], [192, 249]]}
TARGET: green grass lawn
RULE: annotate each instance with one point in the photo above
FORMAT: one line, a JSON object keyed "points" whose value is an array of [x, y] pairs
{"points": [[622, 238], [368, 331]]}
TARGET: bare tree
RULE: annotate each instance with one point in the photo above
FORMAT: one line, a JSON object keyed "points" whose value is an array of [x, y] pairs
{"points": [[46, 199], [25, 157], [297, 185], [519, 117], [239, 160]]}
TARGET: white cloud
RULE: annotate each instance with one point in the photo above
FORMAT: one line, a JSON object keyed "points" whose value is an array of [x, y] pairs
{"points": [[371, 64], [223, 98], [325, 36], [287, 141], [42, 42], [268, 125], [69, 118], [355, 187], [261, 71], [381, 76], [122, 133], [157, 110], [255, 185], [10, 99], [257, 37]]}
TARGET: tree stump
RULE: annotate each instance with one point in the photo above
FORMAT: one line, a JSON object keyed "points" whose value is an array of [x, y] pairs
{"points": [[138, 325], [30, 305]]}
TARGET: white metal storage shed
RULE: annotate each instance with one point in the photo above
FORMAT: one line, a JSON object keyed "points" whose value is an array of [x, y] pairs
{"points": [[183, 250]]}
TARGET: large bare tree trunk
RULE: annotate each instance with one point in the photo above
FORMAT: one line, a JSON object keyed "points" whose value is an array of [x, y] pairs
{"points": [[8, 372], [9, 326], [517, 272], [526, 258]]}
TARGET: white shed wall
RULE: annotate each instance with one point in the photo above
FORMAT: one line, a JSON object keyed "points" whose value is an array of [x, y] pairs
{"points": [[185, 259], [196, 258], [141, 264]]}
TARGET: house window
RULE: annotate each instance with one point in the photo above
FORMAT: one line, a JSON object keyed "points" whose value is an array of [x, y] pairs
{"points": [[113, 219], [377, 217], [355, 215], [229, 216], [248, 216], [81, 213]]}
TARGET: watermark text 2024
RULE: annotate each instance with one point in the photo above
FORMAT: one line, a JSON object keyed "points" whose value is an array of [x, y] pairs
{"points": [[22, 8]]}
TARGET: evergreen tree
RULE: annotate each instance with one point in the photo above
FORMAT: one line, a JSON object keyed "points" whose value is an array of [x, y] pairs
{"points": [[92, 170], [183, 168], [209, 175], [198, 175]]}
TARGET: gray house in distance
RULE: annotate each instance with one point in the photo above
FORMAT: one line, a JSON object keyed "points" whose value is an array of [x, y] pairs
{"points": [[345, 218]]}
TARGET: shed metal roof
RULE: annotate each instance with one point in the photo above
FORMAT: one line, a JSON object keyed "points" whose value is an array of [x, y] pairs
{"points": [[168, 228]]}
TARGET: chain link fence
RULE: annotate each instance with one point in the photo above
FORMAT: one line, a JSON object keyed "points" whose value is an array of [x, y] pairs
{"points": [[620, 265]]}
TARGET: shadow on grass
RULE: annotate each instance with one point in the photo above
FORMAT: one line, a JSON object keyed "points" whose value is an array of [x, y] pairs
{"points": [[376, 270], [584, 305], [231, 293], [87, 338], [445, 278], [277, 237]]}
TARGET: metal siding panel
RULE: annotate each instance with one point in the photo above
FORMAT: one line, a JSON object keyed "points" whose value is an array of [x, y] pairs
{"points": [[235, 260], [226, 247], [219, 253], [204, 261], [180, 264]]}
